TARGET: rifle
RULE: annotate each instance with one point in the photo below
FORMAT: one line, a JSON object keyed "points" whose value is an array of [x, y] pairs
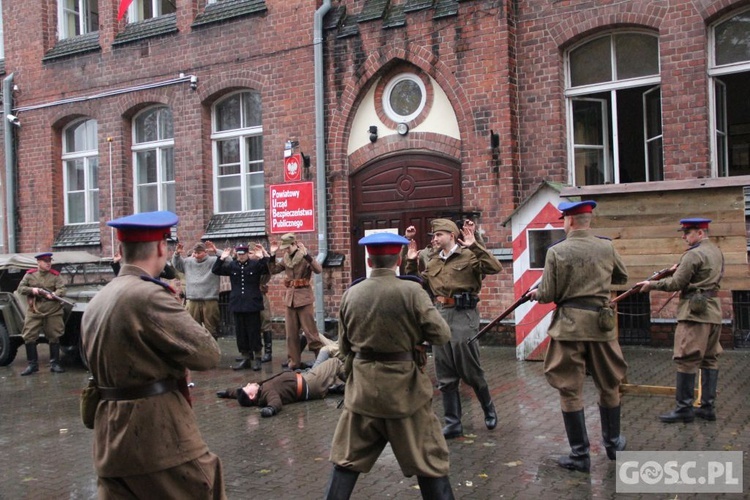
{"points": [[636, 288], [61, 300], [521, 300]]}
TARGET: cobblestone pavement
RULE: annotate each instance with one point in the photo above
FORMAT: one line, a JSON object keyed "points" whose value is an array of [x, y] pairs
{"points": [[46, 451]]}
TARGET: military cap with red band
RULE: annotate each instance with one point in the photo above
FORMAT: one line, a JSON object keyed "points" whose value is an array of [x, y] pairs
{"points": [[383, 243], [144, 227], [694, 223], [576, 207], [43, 256]]}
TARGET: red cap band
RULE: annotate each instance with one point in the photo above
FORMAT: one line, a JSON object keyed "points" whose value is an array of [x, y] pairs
{"points": [[384, 249], [142, 235]]}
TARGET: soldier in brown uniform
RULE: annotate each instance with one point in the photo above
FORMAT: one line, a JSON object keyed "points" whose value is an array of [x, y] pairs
{"points": [[298, 299], [578, 274], [454, 275], [288, 387], [696, 340], [44, 312], [382, 321], [140, 342]]}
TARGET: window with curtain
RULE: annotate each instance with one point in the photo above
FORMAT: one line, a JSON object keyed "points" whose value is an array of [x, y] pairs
{"points": [[80, 160], [237, 141], [153, 160]]}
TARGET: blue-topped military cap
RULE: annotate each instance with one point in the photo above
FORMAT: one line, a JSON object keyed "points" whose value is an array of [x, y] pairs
{"points": [[576, 207], [43, 256], [694, 223], [383, 243], [146, 226]]}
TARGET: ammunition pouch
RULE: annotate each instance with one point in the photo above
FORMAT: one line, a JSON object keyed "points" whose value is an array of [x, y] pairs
{"points": [[465, 300], [607, 319], [698, 300], [606, 315], [90, 398]]}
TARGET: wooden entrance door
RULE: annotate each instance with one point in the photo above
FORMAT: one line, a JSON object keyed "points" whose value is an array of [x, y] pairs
{"points": [[399, 192]]}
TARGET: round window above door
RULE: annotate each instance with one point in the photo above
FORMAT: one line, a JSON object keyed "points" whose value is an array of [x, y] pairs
{"points": [[403, 99]]}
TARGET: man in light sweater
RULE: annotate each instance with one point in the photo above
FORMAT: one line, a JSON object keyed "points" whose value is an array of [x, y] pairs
{"points": [[201, 285]]}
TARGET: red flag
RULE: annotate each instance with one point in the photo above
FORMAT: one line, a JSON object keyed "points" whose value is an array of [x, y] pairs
{"points": [[124, 4]]}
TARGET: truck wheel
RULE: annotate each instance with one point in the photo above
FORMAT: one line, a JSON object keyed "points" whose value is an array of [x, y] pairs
{"points": [[8, 349]]}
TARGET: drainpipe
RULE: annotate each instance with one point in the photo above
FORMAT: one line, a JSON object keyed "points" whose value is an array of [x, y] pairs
{"points": [[10, 165], [320, 161]]}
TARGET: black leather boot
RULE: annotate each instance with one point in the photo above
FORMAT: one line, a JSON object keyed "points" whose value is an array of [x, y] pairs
{"points": [[54, 358], [611, 438], [684, 395], [256, 361], [435, 488], [341, 484], [452, 408], [490, 415], [33, 359], [267, 345], [245, 363], [709, 382], [575, 428]]}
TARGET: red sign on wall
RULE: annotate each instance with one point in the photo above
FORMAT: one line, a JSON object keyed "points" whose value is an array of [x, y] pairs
{"points": [[292, 207], [293, 168]]}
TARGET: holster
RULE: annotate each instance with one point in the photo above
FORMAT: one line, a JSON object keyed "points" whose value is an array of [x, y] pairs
{"points": [[90, 398]]}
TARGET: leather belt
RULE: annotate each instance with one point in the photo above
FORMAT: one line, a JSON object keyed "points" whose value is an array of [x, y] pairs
{"points": [[385, 356], [298, 283], [300, 387], [706, 293], [138, 392], [446, 301], [578, 305]]}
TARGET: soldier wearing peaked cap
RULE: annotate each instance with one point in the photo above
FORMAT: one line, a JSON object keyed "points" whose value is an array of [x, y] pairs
{"points": [[454, 274], [298, 267], [697, 277], [578, 274], [383, 320], [44, 312], [139, 342], [245, 299]]}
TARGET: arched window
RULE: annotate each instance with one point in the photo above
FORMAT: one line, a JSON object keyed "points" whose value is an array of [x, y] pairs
{"points": [[80, 161], [613, 101], [237, 139], [729, 69], [153, 160]]}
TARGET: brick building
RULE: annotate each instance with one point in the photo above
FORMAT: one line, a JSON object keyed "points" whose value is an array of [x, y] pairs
{"points": [[407, 110]]}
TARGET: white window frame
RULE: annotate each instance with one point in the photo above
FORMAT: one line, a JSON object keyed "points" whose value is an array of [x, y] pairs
{"points": [[715, 71], [2, 33], [611, 87], [240, 134], [91, 185], [387, 97], [135, 10], [158, 146], [82, 19]]}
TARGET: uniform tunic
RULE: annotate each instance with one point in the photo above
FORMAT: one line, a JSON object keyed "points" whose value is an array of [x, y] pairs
{"points": [[697, 334], [578, 274], [461, 272], [245, 299], [298, 299], [389, 401], [135, 333], [281, 389], [42, 314]]}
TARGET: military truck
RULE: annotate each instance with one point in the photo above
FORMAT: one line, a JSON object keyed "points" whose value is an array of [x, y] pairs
{"points": [[84, 274]]}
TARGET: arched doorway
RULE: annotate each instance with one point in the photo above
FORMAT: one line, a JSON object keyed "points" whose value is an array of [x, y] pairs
{"points": [[401, 191]]}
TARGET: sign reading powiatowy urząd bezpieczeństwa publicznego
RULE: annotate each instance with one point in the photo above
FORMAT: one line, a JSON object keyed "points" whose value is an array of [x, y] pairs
{"points": [[292, 207]]}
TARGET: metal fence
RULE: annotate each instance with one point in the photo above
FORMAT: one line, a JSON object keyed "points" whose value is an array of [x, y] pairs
{"points": [[741, 306], [634, 320]]}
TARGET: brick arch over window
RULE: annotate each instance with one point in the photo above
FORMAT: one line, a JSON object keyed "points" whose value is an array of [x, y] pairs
{"points": [[577, 26], [355, 90]]}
